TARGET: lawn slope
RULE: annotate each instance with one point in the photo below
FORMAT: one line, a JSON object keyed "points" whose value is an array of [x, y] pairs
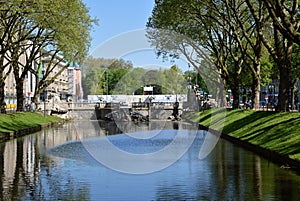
{"points": [[278, 132], [22, 120]]}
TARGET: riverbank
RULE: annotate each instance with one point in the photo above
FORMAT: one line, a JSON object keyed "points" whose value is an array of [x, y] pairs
{"points": [[269, 133], [23, 123]]}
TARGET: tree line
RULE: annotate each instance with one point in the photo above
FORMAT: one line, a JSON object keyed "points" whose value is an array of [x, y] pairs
{"points": [[121, 77], [57, 30], [239, 44]]}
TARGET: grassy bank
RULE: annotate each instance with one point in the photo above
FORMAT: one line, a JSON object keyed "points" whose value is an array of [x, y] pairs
{"points": [[22, 120], [274, 131]]}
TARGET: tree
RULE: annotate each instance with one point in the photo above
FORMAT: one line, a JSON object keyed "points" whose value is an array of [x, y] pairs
{"points": [[96, 71], [295, 74], [280, 49], [284, 14], [208, 37], [285, 26], [57, 28], [250, 20], [229, 35], [7, 23]]}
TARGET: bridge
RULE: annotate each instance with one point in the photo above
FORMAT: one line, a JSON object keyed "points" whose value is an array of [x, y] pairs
{"points": [[85, 110], [70, 110]]}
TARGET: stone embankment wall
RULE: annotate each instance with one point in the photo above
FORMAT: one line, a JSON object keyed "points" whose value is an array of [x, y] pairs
{"points": [[81, 115]]}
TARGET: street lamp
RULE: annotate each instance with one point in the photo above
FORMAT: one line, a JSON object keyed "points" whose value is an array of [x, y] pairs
{"points": [[189, 88], [176, 88], [45, 96], [106, 75], [106, 85], [44, 92]]}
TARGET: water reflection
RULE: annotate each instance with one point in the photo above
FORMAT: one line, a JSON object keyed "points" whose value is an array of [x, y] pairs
{"points": [[28, 172]]}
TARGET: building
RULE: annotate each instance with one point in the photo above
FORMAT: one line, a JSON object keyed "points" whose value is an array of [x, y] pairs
{"points": [[10, 84], [75, 85], [60, 87], [56, 70]]}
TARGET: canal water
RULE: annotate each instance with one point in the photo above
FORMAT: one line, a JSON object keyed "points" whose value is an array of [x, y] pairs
{"points": [[143, 161]]}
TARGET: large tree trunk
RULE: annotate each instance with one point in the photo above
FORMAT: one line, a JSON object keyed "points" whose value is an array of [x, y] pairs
{"points": [[285, 83], [256, 71], [36, 94], [284, 86], [235, 89], [20, 94], [255, 91], [256, 78], [284, 55], [236, 97]]}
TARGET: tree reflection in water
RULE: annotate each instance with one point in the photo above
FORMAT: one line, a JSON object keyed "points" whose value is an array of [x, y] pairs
{"points": [[28, 172]]}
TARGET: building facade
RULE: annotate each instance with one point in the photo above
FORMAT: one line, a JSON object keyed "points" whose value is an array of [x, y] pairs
{"points": [[75, 85], [66, 83]]}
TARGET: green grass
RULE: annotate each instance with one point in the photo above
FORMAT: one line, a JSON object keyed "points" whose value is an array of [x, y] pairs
{"points": [[21, 120], [275, 131]]}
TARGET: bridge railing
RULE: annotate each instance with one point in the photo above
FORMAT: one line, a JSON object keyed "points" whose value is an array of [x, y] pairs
{"points": [[78, 105]]}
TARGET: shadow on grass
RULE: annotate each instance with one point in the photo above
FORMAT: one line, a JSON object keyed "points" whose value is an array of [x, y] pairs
{"points": [[275, 131], [264, 135], [246, 121], [206, 115], [292, 149]]}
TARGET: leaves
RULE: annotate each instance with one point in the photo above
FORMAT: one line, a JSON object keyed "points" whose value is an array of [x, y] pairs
{"points": [[123, 78], [56, 29]]}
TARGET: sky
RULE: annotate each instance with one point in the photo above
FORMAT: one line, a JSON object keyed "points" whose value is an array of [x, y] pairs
{"points": [[117, 16], [120, 32]]}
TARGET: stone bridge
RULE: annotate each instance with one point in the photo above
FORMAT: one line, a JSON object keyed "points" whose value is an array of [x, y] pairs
{"points": [[80, 111], [82, 114], [72, 110]]}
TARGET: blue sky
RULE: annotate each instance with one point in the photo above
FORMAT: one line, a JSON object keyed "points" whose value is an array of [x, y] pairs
{"points": [[116, 19], [117, 16]]}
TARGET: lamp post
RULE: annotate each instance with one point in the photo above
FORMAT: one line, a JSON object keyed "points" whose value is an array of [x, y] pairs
{"points": [[45, 96], [176, 89], [106, 86], [44, 92], [106, 79], [189, 88]]}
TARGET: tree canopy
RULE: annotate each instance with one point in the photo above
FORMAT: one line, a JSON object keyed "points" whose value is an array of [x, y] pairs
{"points": [[235, 36], [123, 78], [38, 28]]}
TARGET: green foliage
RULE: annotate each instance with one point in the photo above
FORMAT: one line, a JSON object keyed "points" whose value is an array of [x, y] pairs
{"points": [[164, 81], [239, 38], [55, 25], [122, 78], [68, 24], [96, 71], [56, 29], [195, 78], [267, 72], [208, 35]]}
